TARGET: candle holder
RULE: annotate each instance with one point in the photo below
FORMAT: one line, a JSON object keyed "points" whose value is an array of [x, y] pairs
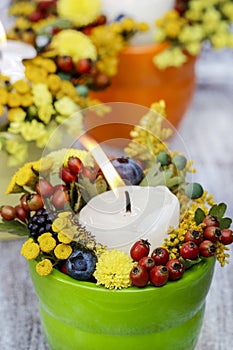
{"points": [[121, 249]]}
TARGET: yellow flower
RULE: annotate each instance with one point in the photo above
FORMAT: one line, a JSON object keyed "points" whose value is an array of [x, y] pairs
{"points": [[64, 45], [45, 113], [46, 242], [17, 152], [21, 86], [14, 99], [27, 100], [36, 74], [3, 96], [32, 131], [54, 82], [16, 115], [113, 269], [1, 110], [66, 106], [62, 251], [44, 267], [80, 12], [66, 235], [30, 250], [59, 223], [41, 94]]}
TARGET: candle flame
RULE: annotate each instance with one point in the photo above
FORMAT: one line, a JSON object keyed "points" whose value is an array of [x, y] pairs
{"points": [[2, 33], [113, 178]]}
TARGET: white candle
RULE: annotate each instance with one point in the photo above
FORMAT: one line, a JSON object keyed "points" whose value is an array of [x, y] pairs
{"points": [[153, 211], [140, 10], [11, 55]]}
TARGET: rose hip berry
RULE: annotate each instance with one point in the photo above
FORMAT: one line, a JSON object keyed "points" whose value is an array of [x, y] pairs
{"points": [[211, 220], [35, 202], [44, 188], [139, 249], [8, 212], [207, 249], [74, 164], [227, 236], [60, 198], [212, 233], [66, 175], [139, 276], [160, 256], [194, 236], [175, 268], [159, 275], [21, 214], [189, 250], [147, 261]]}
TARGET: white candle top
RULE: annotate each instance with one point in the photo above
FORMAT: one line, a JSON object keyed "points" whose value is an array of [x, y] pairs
{"points": [[153, 211]]}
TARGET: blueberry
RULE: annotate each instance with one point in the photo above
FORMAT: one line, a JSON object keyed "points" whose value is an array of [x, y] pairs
{"points": [[129, 170], [81, 264]]}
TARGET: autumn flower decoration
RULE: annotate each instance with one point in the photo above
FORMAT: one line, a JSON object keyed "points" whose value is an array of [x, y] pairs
{"points": [[47, 214]]}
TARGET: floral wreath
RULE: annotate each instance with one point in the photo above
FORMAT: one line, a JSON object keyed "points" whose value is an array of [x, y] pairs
{"points": [[49, 213]]}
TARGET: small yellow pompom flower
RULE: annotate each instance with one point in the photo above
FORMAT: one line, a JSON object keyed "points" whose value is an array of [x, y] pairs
{"points": [[72, 43], [66, 236], [46, 242], [80, 12], [62, 251], [44, 267], [21, 86], [113, 269], [30, 250]]}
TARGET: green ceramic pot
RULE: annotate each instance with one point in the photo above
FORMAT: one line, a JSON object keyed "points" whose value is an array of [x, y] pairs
{"points": [[81, 316]]}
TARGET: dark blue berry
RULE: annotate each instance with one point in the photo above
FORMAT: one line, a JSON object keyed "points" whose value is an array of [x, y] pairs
{"points": [[129, 170], [81, 264]]}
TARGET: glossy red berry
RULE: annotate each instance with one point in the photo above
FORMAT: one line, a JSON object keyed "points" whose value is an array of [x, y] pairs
{"points": [[211, 220], [8, 212], [84, 65], [139, 276], [89, 173], [159, 275], [160, 256], [44, 188], [21, 214], [175, 268], [65, 63], [74, 164], [35, 202], [23, 201], [194, 236], [101, 81], [212, 233], [189, 250], [227, 236], [67, 176], [59, 199], [207, 249], [139, 249], [147, 261]]}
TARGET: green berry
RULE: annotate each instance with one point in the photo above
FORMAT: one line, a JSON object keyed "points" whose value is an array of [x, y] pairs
{"points": [[194, 190], [163, 158], [180, 162], [82, 90]]}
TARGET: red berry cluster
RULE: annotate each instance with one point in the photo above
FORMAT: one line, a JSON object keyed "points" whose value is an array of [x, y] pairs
{"points": [[155, 269], [204, 243], [84, 72], [43, 10]]}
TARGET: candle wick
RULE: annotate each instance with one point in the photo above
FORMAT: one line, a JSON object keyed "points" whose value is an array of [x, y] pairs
{"points": [[128, 202]]}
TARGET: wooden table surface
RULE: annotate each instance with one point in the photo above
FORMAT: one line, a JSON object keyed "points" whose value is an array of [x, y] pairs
{"points": [[206, 132]]}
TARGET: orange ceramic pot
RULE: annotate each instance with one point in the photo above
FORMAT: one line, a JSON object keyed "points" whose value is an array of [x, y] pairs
{"points": [[138, 81]]}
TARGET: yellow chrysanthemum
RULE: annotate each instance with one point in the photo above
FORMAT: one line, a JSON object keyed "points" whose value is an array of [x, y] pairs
{"points": [[59, 223], [113, 270], [30, 250], [62, 251], [46, 242], [14, 99], [44, 267], [16, 115], [66, 235], [3, 96], [80, 12], [54, 82], [73, 43], [21, 86], [27, 100]]}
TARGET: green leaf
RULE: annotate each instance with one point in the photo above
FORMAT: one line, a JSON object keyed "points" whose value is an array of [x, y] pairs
{"points": [[218, 210], [14, 227], [199, 216], [225, 222], [189, 263]]}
